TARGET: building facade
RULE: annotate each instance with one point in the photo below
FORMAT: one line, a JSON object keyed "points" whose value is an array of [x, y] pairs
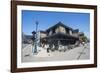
{"points": [[59, 34]]}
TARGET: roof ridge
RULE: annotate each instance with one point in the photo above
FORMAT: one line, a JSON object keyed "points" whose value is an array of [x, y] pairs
{"points": [[59, 23]]}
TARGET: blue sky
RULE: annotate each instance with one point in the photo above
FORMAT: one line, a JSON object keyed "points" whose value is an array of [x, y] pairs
{"points": [[47, 19]]}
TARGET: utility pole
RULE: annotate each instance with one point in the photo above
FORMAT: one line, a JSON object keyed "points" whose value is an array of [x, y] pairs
{"points": [[36, 39]]}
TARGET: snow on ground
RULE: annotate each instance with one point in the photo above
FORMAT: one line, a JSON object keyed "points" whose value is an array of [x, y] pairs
{"points": [[82, 52]]}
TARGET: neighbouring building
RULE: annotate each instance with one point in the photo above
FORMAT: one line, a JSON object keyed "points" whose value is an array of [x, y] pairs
{"points": [[27, 39]]}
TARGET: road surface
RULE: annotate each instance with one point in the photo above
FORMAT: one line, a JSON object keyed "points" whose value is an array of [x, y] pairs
{"points": [[78, 53]]}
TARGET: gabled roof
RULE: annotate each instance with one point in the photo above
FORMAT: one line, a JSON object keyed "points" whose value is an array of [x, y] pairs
{"points": [[59, 24]]}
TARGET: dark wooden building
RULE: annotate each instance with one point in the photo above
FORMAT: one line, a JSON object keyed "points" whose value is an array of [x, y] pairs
{"points": [[59, 34]]}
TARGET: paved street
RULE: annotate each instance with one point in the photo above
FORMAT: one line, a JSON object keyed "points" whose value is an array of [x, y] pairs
{"points": [[78, 53]]}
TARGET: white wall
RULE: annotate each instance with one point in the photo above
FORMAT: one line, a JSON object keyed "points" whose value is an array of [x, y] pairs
{"points": [[5, 36]]}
